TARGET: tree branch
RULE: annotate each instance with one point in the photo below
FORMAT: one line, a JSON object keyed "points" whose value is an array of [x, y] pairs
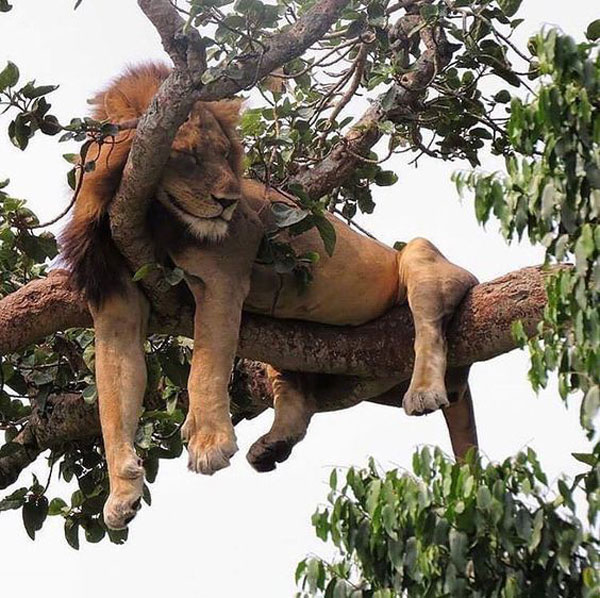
{"points": [[480, 329], [399, 102], [373, 360]]}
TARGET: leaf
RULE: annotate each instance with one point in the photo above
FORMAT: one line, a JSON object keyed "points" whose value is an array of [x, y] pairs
{"points": [[90, 394], [10, 448], [458, 548], [31, 92], [593, 30], [385, 178], [72, 533], [72, 178], [174, 276], [510, 7], [503, 97], [14, 500], [484, 497], [35, 511], [587, 458], [94, 532], [56, 506], [536, 535], [5, 6], [287, 215], [9, 77], [144, 270], [327, 232]]}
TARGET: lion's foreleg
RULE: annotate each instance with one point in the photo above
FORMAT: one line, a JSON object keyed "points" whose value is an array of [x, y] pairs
{"points": [[434, 287], [120, 327], [208, 428]]}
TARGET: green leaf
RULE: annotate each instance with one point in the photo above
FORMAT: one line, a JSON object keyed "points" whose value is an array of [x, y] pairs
{"points": [[327, 232], [510, 7], [90, 394], [5, 6], [385, 178], [14, 500], [9, 77], [72, 533], [144, 270], [174, 276], [56, 507], [503, 97], [72, 178], [536, 535], [587, 458], [31, 92], [593, 30], [287, 215], [35, 511]]}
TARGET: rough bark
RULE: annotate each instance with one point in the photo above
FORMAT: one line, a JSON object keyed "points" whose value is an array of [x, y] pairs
{"points": [[480, 329], [382, 349]]}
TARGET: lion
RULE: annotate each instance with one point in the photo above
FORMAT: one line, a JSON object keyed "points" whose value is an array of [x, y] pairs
{"points": [[209, 221]]}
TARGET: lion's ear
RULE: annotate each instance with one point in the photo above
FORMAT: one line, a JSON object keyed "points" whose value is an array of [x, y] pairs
{"points": [[228, 111]]}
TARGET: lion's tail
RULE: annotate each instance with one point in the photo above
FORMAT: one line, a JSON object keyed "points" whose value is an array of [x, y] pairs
{"points": [[87, 248]]}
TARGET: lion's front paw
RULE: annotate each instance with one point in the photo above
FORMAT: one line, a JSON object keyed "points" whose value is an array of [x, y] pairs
{"points": [[123, 503], [421, 402], [210, 449], [267, 451], [126, 487]]}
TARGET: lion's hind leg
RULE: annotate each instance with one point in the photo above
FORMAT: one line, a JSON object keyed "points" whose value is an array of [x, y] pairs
{"points": [[459, 414], [434, 287], [294, 406], [120, 327]]}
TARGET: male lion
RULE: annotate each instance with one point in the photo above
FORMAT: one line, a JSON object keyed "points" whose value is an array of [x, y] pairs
{"points": [[210, 222]]}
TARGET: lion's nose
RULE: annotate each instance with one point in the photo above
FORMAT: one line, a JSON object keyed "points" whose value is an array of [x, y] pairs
{"points": [[224, 201]]}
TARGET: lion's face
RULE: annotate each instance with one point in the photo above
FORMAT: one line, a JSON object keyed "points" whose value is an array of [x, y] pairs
{"points": [[201, 182]]}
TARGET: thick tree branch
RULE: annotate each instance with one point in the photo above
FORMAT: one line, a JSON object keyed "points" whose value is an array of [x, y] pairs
{"points": [[480, 329], [372, 360]]}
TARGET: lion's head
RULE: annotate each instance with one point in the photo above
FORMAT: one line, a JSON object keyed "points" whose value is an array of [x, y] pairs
{"points": [[201, 183]]}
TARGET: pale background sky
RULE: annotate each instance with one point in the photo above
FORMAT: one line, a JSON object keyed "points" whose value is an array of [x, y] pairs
{"points": [[240, 533]]}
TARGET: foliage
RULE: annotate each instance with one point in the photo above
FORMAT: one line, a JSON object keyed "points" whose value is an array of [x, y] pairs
{"points": [[450, 529], [551, 190]]}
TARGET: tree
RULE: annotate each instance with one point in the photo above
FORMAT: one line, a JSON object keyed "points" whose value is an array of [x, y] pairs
{"points": [[499, 530], [296, 141]]}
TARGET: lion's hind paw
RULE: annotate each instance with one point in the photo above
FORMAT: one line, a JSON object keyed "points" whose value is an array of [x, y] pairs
{"points": [[266, 452]]}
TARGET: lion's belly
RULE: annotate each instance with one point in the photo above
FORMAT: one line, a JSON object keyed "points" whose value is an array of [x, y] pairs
{"points": [[359, 283]]}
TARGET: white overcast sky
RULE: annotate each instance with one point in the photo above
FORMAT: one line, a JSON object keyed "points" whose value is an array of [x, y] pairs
{"points": [[240, 533]]}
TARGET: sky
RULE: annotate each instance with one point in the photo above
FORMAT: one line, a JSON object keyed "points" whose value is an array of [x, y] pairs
{"points": [[240, 533]]}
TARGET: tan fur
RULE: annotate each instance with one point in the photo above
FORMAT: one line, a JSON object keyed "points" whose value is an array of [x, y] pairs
{"points": [[361, 281]]}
